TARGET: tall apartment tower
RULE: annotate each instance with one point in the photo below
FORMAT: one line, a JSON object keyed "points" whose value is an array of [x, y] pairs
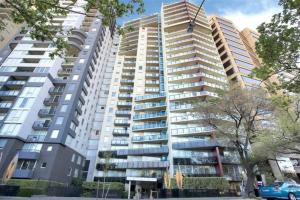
{"points": [[51, 109], [149, 126], [238, 58]]}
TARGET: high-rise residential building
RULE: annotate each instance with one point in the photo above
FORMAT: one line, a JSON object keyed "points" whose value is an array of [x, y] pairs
{"points": [[238, 58], [51, 110], [249, 38], [150, 126]]}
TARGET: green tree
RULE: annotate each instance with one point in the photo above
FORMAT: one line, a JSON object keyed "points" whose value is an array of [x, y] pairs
{"points": [[237, 117], [279, 46], [38, 15]]}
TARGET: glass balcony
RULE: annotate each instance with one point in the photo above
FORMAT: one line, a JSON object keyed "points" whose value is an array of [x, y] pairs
{"points": [[148, 82], [17, 83], [122, 122], [152, 75], [198, 144], [192, 130], [196, 68], [150, 138], [127, 74], [124, 103], [142, 164], [126, 88], [41, 125], [154, 90], [127, 81], [192, 95], [150, 115], [144, 151], [23, 173], [119, 142], [123, 112], [51, 101], [186, 53], [193, 86], [5, 104], [150, 96], [46, 112], [10, 93], [181, 61], [152, 68], [196, 76], [122, 95], [36, 138], [150, 105], [150, 126], [56, 90], [230, 160], [120, 132]]}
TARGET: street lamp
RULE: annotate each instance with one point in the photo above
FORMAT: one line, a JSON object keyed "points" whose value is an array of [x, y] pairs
{"points": [[192, 22]]}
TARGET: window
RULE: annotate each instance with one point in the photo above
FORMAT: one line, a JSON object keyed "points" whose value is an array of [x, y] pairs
{"points": [[79, 160], [41, 70], [54, 134], [32, 147], [59, 120], [63, 108], [75, 77], [81, 61], [10, 129], [3, 78], [44, 165], [2, 143], [76, 173], [30, 92], [37, 79], [68, 97], [17, 116], [24, 102], [140, 67], [49, 148], [73, 157], [69, 171]]}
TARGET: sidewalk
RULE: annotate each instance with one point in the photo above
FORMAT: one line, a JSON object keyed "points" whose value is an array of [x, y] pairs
{"points": [[82, 198]]}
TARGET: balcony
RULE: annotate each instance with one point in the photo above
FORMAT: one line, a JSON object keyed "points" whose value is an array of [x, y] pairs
{"points": [[144, 151], [196, 144], [51, 101], [36, 138], [23, 173], [142, 165], [125, 96], [119, 142], [56, 90], [128, 81], [5, 105], [150, 138], [192, 131], [29, 154], [152, 115], [15, 84], [126, 88], [193, 86], [195, 77], [9, 93], [46, 112], [150, 97], [197, 160], [65, 72], [123, 112], [120, 132], [124, 104], [147, 106], [122, 122], [154, 126], [192, 95], [230, 160], [41, 125]]}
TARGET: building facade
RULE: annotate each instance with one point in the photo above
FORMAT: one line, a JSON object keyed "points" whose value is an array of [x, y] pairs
{"points": [[149, 125], [238, 57], [51, 109]]}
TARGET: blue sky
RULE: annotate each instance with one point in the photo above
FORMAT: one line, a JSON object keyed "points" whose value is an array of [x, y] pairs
{"points": [[243, 13]]}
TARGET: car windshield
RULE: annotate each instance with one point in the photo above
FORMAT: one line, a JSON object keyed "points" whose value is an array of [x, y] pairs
{"points": [[276, 184]]}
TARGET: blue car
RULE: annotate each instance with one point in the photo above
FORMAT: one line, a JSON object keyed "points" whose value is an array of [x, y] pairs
{"points": [[281, 190]]}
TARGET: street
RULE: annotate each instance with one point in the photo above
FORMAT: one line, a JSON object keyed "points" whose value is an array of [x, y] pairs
{"points": [[82, 198]]}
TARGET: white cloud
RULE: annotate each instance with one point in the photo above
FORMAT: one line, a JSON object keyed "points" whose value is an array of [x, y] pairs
{"points": [[251, 20]]}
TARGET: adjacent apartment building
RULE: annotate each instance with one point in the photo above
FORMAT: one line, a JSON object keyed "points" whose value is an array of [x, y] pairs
{"points": [[150, 126], [51, 110], [236, 50]]}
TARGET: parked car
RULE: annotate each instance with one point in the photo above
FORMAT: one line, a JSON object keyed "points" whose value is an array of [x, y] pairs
{"points": [[281, 190]]}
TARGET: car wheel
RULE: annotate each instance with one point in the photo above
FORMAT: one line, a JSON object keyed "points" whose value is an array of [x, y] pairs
{"points": [[292, 196]]}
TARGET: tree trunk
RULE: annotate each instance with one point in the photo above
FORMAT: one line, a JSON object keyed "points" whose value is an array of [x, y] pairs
{"points": [[249, 187]]}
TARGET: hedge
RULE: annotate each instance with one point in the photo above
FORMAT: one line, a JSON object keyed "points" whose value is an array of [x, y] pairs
{"points": [[219, 183], [94, 185], [40, 184]]}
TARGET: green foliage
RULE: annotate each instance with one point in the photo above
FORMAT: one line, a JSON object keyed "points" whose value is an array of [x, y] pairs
{"points": [[76, 182], [40, 184], [28, 192], [279, 45], [38, 15], [94, 185], [202, 183]]}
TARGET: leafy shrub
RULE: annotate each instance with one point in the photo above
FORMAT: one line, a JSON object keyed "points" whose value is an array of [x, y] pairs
{"points": [[202, 183], [28, 192], [94, 185]]}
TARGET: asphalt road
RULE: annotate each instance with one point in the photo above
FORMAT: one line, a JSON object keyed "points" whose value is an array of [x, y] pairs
{"points": [[82, 198]]}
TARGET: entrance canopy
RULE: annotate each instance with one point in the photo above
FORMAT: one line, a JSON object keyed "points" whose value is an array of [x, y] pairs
{"points": [[145, 179]]}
